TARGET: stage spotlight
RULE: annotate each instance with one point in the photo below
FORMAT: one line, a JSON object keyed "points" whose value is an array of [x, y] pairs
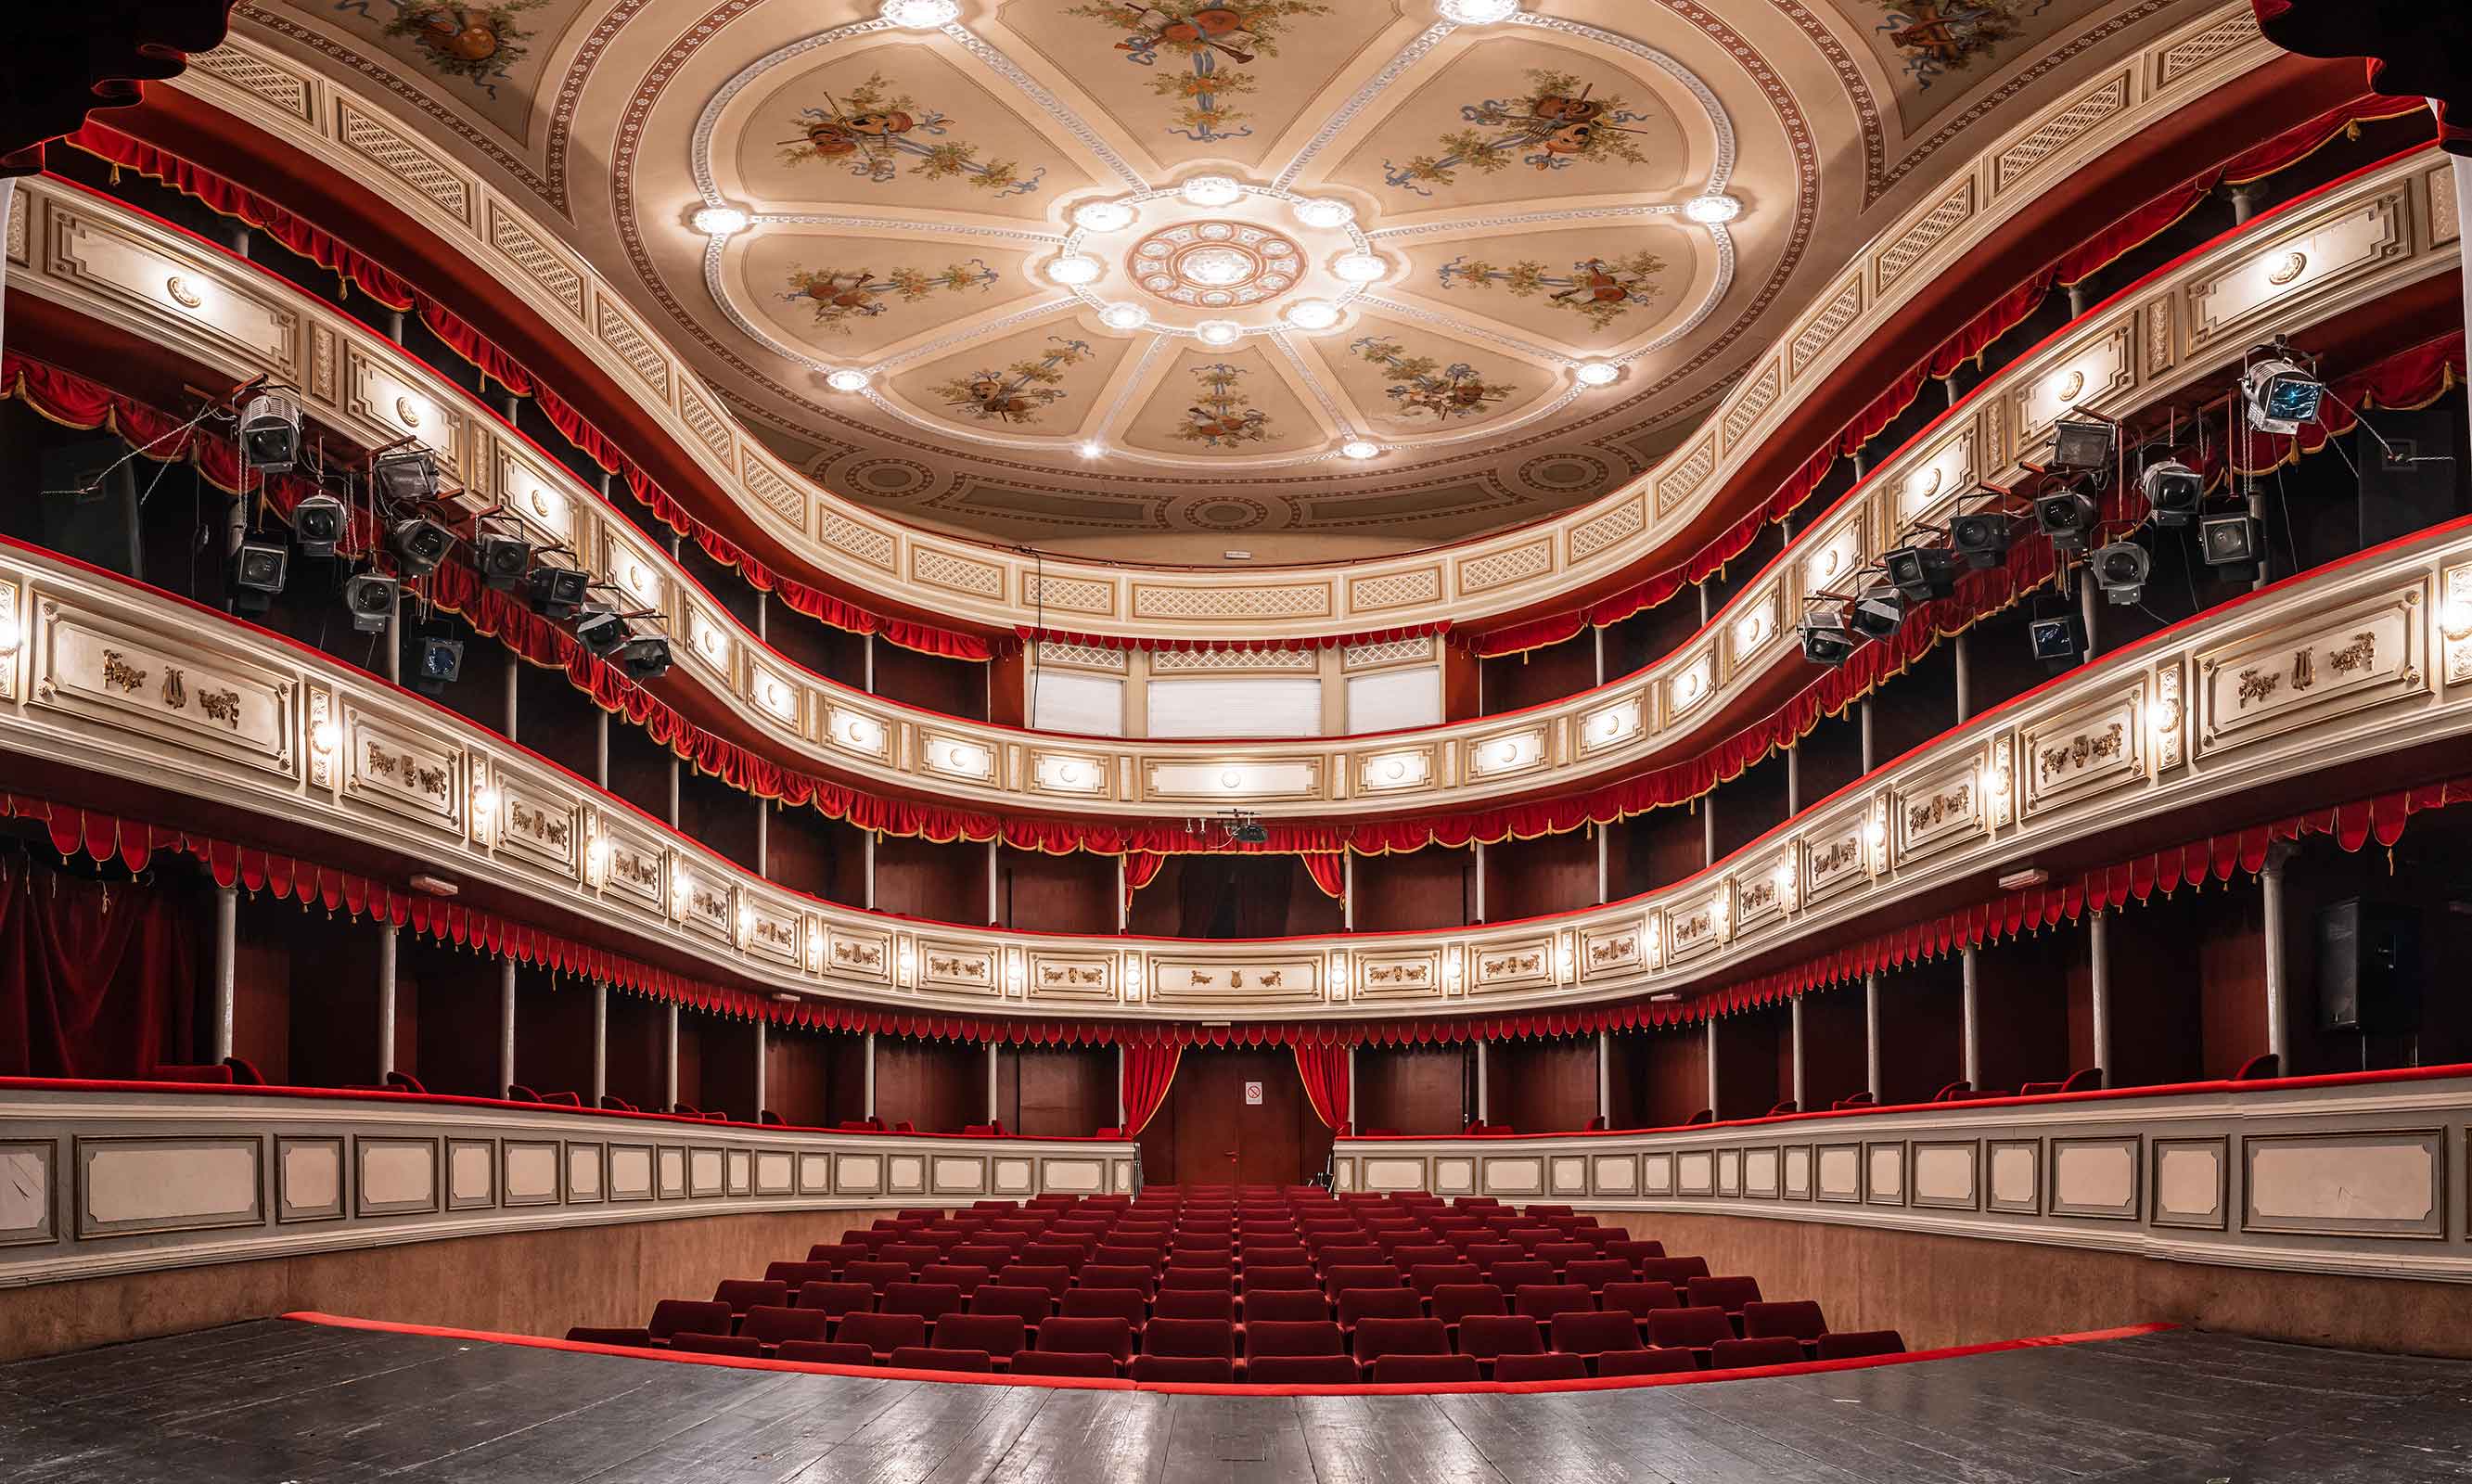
{"points": [[2231, 541], [645, 657], [257, 573], [1878, 611], [2281, 395], [557, 592], [419, 545], [2082, 443], [435, 663], [1825, 641], [1921, 573], [1981, 538], [504, 561], [269, 432], [2172, 490], [317, 525], [603, 631], [406, 477], [2064, 514], [1242, 829], [2056, 642], [2121, 570], [370, 599]]}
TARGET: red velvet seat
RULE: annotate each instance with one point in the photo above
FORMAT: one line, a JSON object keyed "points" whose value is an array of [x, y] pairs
{"points": [[1280, 1276], [1110, 1337], [824, 1352], [1283, 1306], [1677, 1271], [1195, 1304], [1542, 1302], [1067, 1255], [1301, 1371], [1562, 1254], [1594, 1273], [1190, 1339], [1486, 1254], [839, 1254], [1698, 1328], [1064, 1362], [1394, 1370], [1853, 1344], [1029, 1304], [1776, 1350], [1377, 1336], [1114, 1254], [1729, 1293], [964, 1276], [1799, 1320], [746, 1345], [836, 1299], [1199, 1278], [686, 1316], [1121, 1304], [881, 1334], [931, 1357], [1520, 1273], [1037, 1275], [981, 1253], [1639, 1300], [770, 1324], [1541, 1368], [1591, 1336], [610, 1335], [925, 1300], [1425, 1277], [1487, 1336], [999, 1335], [1455, 1302], [741, 1294], [1205, 1370], [1290, 1337], [797, 1275], [877, 1274], [1649, 1362], [1357, 1306], [1633, 1250]]}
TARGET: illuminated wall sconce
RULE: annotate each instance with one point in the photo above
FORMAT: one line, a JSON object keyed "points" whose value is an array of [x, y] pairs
{"points": [[1875, 839], [817, 934], [2166, 716], [324, 737], [1652, 944], [1454, 969], [1721, 911], [2454, 625], [1563, 959], [1016, 978], [1339, 976], [1998, 792], [680, 884], [1787, 884], [745, 924], [485, 803], [1134, 978], [905, 964]]}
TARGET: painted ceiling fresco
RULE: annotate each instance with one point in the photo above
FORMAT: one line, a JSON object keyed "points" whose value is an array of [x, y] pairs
{"points": [[1133, 277]]}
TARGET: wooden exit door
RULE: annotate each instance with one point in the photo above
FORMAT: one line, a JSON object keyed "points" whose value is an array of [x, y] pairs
{"points": [[1212, 1132]]}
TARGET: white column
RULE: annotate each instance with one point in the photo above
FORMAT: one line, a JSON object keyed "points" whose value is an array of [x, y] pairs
{"points": [[995, 896], [1480, 1083], [1480, 881], [867, 860], [1604, 865], [385, 998], [394, 641], [763, 839], [601, 748], [1351, 1088], [870, 1074], [1798, 1093], [1125, 904], [677, 768], [992, 1082], [515, 670], [226, 927], [866, 660], [1599, 636], [1348, 890], [1871, 1034], [669, 1061], [1605, 1077], [1708, 829], [1862, 713], [8, 202], [764, 615], [2098, 989], [1711, 1059], [1970, 1015], [1792, 779], [600, 1041], [1965, 678], [761, 1040], [506, 1023], [2271, 883]]}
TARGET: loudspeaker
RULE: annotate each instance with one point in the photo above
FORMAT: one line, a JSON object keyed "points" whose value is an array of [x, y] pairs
{"points": [[2409, 482], [98, 524], [2369, 968]]}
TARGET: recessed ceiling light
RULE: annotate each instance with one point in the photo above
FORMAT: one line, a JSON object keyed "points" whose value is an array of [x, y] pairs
{"points": [[720, 220], [1596, 373], [1103, 216], [1124, 317], [921, 15], [1312, 314], [1709, 210], [1219, 332], [1478, 13], [1073, 269], [1213, 191], [847, 379], [1324, 212], [1360, 448], [1093, 449], [1362, 266]]}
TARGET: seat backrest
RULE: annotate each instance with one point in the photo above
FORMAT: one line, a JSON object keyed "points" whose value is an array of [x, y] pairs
{"points": [[1208, 1338], [980, 1254], [1300, 1371], [925, 1300], [1729, 1293], [1486, 1254], [914, 1252], [1140, 1279], [1696, 1327], [964, 1276], [1562, 1254], [1122, 1255], [839, 1254], [1339, 1278], [1631, 1249], [1590, 1333], [1543, 1300], [1277, 1255], [1356, 1305], [1852, 1344], [688, 1316], [1425, 1277], [1401, 1335], [877, 1274], [1197, 1278], [797, 1275], [741, 1294], [1348, 1253], [824, 1352], [1454, 1302], [1291, 1338], [1284, 1305], [1774, 1349], [1030, 1305], [836, 1299], [998, 1335], [1639, 1299], [1527, 1272], [881, 1332], [1397, 1370], [1646, 1362], [745, 1345], [1281, 1274], [774, 1323], [1037, 1275], [1672, 1270], [931, 1357], [1795, 1319], [1054, 1254], [1596, 1272], [1541, 1368], [1088, 1302], [1196, 1304], [1205, 1370], [1486, 1335], [1111, 1337]]}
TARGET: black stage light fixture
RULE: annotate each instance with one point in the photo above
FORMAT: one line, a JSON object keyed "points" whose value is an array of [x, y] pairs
{"points": [[1981, 538], [370, 599], [2280, 394], [435, 664], [1921, 573], [269, 432], [603, 631], [1878, 611], [405, 478], [1825, 640], [2056, 642], [2084, 443], [419, 545], [645, 657], [2065, 515], [2119, 569], [317, 525], [1242, 829], [2231, 541], [557, 592], [503, 560], [256, 575], [2172, 491]]}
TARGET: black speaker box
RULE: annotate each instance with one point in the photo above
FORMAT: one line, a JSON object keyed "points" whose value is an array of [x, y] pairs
{"points": [[2369, 967], [2412, 472]]}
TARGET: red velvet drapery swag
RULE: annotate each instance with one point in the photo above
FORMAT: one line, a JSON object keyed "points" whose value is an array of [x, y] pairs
{"points": [[1323, 1070], [97, 979], [1149, 1070]]}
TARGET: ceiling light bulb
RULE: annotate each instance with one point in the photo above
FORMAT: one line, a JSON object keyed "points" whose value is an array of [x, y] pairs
{"points": [[1073, 269], [1219, 332], [720, 220], [1313, 314], [1359, 448], [1103, 216], [1213, 191], [1710, 210], [1325, 213], [1596, 373], [847, 379], [1124, 317], [1478, 13], [1361, 268], [921, 15], [1093, 449]]}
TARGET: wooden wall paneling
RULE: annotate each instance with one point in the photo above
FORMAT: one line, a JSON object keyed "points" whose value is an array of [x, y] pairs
{"points": [[834, 653], [1419, 888], [265, 934], [1921, 1040], [554, 1034], [1552, 873], [1056, 1091], [956, 687], [797, 1064], [717, 815], [1460, 673], [823, 857], [1655, 849], [1750, 806], [1513, 682], [844, 1055], [1206, 1119], [2022, 989], [456, 993], [333, 1034], [693, 1027], [1542, 1086], [1414, 1089], [1830, 755], [1623, 1084], [1039, 892], [1749, 1049], [637, 1059], [556, 721], [1651, 634], [940, 1087], [919, 878], [1835, 1062], [1670, 1064], [639, 771], [1007, 688], [2156, 1019], [1912, 708], [726, 1052]]}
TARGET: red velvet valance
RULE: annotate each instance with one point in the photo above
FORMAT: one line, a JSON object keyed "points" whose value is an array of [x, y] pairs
{"points": [[1028, 633]]}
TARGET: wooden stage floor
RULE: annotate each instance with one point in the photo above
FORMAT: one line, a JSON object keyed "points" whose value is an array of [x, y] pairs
{"points": [[277, 1401]]}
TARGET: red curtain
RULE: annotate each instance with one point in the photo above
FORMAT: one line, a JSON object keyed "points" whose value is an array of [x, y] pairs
{"points": [[97, 979], [1148, 1071], [1329, 872], [1141, 868], [1325, 1070]]}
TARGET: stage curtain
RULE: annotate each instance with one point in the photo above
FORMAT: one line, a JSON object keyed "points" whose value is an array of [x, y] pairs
{"points": [[97, 979], [1329, 872], [1141, 868], [1325, 1070], [1148, 1071]]}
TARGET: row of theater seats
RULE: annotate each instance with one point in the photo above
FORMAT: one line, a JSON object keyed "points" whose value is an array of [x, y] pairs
{"points": [[1270, 1286]]}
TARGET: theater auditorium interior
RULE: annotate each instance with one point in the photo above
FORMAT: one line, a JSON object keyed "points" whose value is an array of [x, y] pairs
{"points": [[1104, 740]]}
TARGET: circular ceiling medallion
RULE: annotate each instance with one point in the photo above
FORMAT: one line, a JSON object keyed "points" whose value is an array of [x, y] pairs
{"points": [[1216, 264]]}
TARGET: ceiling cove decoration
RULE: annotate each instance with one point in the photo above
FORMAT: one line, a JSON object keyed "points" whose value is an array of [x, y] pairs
{"points": [[1115, 270]]}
